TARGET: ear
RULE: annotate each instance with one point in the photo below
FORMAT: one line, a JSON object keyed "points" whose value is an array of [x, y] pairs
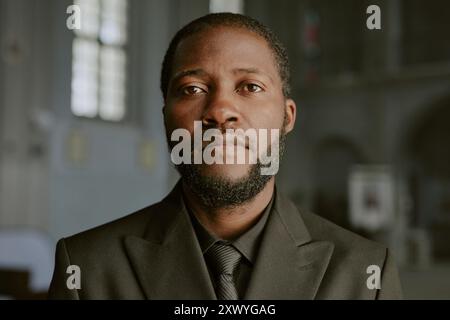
{"points": [[291, 114]]}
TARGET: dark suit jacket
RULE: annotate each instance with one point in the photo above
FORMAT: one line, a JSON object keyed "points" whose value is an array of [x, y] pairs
{"points": [[154, 254]]}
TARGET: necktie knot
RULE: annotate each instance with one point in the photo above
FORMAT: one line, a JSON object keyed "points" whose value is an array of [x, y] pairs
{"points": [[224, 258]]}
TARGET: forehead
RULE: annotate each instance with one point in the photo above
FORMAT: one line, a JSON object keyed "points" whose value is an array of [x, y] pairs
{"points": [[225, 48]]}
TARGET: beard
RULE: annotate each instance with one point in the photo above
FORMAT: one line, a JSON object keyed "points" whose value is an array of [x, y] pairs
{"points": [[221, 192]]}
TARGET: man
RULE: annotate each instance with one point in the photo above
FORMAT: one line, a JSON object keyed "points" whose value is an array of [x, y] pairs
{"points": [[224, 232]]}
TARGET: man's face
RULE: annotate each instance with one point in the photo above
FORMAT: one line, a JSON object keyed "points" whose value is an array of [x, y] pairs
{"points": [[228, 79]]}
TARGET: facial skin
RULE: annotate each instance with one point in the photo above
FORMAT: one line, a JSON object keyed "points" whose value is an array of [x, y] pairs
{"points": [[227, 78]]}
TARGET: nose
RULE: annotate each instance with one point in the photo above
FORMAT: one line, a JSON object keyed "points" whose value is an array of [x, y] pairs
{"points": [[221, 112]]}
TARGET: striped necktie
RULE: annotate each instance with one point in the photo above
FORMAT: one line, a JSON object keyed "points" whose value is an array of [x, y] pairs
{"points": [[224, 259]]}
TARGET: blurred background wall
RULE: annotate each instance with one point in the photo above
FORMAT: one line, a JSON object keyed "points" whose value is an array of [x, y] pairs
{"points": [[82, 139]]}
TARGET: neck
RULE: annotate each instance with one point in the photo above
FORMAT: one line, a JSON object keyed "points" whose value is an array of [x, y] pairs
{"points": [[230, 223]]}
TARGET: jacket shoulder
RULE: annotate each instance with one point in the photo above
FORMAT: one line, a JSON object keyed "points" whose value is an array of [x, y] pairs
{"points": [[110, 234], [353, 261], [348, 246]]}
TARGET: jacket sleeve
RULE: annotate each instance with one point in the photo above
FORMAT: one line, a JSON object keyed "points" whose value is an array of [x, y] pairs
{"points": [[58, 287], [390, 280]]}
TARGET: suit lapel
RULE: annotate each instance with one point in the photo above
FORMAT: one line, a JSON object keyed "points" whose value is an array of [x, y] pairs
{"points": [[289, 264], [168, 261], [169, 264]]}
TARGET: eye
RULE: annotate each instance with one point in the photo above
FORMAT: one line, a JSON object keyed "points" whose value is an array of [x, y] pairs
{"points": [[252, 87], [192, 90]]}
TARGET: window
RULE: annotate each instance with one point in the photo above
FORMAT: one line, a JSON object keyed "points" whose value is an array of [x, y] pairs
{"points": [[99, 60], [235, 6]]}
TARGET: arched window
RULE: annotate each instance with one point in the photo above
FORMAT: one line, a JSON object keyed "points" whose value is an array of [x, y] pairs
{"points": [[99, 60]]}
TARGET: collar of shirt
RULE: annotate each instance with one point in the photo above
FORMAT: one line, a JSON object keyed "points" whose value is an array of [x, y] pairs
{"points": [[247, 243]]}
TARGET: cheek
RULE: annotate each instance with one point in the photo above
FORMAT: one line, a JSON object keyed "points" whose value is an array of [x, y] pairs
{"points": [[269, 118], [179, 116]]}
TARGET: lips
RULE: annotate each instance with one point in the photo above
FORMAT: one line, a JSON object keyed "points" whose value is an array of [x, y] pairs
{"points": [[224, 142]]}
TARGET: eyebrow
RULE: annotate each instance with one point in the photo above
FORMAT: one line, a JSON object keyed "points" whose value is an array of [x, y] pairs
{"points": [[202, 73], [252, 71], [190, 72]]}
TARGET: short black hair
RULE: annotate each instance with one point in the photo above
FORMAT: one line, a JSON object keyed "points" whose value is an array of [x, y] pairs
{"points": [[227, 19]]}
